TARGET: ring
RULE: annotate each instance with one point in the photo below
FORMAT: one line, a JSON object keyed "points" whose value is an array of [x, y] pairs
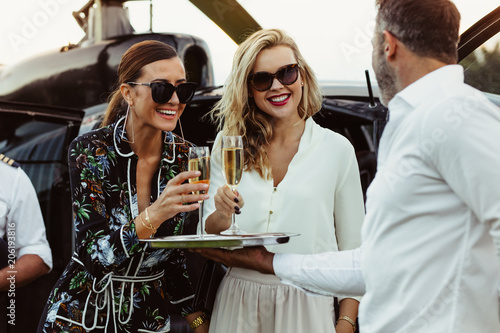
{"points": [[182, 198]]}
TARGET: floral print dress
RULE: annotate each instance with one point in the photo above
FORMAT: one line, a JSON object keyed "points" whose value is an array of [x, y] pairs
{"points": [[114, 282]]}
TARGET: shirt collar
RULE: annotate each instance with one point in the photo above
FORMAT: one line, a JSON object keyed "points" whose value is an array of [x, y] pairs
{"points": [[122, 146], [425, 86], [121, 142], [307, 135], [410, 97]]}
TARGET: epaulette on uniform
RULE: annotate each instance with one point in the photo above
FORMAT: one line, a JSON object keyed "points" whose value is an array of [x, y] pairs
{"points": [[9, 161]]}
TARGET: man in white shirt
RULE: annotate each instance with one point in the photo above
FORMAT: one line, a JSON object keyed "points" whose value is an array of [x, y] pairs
{"points": [[25, 249], [431, 235]]}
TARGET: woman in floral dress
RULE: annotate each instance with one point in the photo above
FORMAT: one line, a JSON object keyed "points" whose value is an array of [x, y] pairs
{"points": [[128, 182]]}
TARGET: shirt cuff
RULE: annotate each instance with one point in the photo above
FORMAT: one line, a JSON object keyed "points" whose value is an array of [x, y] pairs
{"points": [[329, 274], [185, 305], [40, 250], [357, 298]]}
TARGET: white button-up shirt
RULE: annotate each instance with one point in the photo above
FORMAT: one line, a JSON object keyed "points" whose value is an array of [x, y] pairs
{"points": [[431, 235], [21, 219]]}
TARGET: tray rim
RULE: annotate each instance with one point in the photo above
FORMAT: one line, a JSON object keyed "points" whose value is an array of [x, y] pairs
{"points": [[220, 241]]}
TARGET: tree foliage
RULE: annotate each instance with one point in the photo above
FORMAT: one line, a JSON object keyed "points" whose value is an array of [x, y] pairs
{"points": [[482, 69]]}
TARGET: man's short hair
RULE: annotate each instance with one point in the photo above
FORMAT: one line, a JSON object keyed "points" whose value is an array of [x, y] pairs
{"points": [[428, 28]]}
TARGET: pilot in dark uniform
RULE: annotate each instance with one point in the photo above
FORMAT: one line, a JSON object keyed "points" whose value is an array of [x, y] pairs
{"points": [[24, 247]]}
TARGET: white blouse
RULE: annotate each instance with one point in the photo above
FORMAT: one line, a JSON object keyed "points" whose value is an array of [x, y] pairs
{"points": [[319, 198]]}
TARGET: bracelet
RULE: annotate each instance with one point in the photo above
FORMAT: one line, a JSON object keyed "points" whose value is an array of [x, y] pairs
{"points": [[149, 221], [150, 227], [198, 321], [349, 320]]}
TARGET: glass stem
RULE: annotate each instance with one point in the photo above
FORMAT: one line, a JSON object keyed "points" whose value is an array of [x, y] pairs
{"points": [[233, 222], [200, 220], [234, 228]]}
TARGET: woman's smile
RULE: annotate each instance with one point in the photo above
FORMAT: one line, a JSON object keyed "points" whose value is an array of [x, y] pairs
{"points": [[166, 113], [279, 100]]}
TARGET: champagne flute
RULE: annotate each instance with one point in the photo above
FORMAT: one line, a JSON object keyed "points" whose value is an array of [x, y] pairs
{"points": [[232, 168], [199, 160]]}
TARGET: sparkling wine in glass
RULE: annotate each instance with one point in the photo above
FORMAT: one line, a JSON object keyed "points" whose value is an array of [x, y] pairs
{"points": [[199, 160], [232, 168]]}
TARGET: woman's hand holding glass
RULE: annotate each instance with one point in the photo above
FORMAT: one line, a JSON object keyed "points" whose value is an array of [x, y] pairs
{"points": [[177, 197], [228, 202]]}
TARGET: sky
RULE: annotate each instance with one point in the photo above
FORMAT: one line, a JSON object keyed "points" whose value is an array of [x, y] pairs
{"points": [[333, 36]]}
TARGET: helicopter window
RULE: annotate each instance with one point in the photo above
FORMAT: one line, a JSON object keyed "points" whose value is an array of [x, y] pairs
{"points": [[196, 63]]}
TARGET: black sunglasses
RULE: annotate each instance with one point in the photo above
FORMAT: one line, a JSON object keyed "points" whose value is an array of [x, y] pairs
{"points": [[287, 75], [162, 91]]}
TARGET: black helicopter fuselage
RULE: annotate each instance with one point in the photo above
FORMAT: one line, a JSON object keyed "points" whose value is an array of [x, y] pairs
{"points": [[83, 76]]}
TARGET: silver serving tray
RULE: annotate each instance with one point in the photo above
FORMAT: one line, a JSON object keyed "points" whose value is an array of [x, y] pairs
{"points": [[219, 241]]}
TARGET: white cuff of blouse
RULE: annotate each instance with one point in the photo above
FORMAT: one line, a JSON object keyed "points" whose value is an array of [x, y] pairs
{"points": [[328, 274], [499, 296]]}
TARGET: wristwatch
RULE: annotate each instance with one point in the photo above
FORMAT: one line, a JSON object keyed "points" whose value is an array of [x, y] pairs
{"points": [[198, 321]]}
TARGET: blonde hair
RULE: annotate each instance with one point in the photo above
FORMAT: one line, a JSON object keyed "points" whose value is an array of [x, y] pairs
{"points": [[237, 114]]}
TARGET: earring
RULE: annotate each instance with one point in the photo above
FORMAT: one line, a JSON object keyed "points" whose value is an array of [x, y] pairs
{"points": [[302, 83], [125, 125], [173, 143], [182, 133]]}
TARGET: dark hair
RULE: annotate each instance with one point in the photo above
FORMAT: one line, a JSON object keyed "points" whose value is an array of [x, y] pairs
{"points": [[428, 28], [130, 69]]}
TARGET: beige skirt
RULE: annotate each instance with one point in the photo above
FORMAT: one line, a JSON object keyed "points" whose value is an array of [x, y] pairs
{"points": [[248, 301]]}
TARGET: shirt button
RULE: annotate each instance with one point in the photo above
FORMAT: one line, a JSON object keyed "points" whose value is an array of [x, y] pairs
{"points": [[270, 212], [275, 189]]}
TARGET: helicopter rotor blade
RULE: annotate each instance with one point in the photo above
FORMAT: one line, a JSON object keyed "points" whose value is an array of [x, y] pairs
{"points": [[230, 16]]}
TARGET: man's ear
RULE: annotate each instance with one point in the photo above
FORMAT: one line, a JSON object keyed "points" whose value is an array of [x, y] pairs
{"points": [[390, 45]]}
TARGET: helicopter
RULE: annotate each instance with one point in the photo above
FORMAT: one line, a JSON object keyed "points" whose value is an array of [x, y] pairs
{"points": [[49, 99], [82, 75]]}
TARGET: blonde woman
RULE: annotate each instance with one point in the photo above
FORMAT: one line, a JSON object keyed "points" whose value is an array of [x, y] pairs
{"points": [[299, 177]]}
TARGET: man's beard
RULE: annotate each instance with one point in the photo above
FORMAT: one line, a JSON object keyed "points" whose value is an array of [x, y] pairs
{"points": [[385, 75]]}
